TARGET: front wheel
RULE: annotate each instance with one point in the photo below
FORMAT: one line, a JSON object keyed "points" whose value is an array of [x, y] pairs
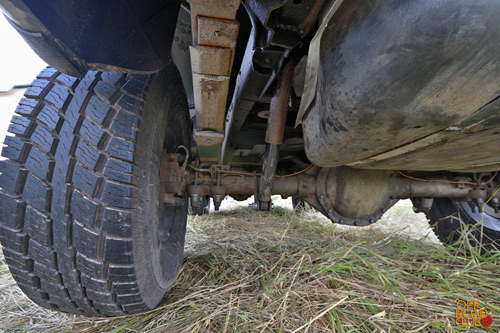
{"points": [[81, 224], [454, 224]]}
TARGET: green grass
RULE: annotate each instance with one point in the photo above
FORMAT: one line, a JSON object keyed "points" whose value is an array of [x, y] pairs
{"points": [[250, 271]]}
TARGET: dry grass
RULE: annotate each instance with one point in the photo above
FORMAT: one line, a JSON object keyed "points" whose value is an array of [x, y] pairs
{"points": [[251, 271]]}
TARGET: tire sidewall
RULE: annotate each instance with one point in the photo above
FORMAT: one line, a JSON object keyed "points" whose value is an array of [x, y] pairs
{"points": [[165, 109]]}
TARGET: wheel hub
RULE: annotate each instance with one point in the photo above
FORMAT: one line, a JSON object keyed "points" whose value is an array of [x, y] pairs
{"points": [[173, 179]]}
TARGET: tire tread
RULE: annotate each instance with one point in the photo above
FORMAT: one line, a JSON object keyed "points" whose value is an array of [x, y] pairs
{"points": [[77, 136]]}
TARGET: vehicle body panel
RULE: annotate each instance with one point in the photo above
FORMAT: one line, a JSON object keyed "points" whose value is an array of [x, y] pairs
{"points": [[393, 73], [76, 36]]}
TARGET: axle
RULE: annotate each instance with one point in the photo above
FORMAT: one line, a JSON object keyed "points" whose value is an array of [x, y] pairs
{"points": [[346, 195]]}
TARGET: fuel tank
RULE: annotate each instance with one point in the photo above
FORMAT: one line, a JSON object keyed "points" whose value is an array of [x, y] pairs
{"points": [[394, 73]]}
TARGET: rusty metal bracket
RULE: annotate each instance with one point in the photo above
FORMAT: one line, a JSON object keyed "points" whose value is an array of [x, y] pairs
{"points": [[215, 31], [173, 178]]}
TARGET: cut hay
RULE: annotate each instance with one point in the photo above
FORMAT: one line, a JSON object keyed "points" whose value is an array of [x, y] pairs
{"points": [[248, 271]]}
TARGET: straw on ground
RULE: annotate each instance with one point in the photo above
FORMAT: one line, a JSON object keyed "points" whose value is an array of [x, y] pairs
{"points": [[249, 271]]}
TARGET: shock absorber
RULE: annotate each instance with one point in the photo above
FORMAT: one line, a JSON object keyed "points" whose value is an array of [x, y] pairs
{"points": [[274, 134]]}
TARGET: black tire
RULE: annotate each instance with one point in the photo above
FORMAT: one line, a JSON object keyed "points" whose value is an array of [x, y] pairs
{"points": [[80, 220], [450, 224], [202, 208]]}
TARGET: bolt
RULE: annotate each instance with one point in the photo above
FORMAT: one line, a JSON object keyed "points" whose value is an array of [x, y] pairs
{"points": [[217, 33]]}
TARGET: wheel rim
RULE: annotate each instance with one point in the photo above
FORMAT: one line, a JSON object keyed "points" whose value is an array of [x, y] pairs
{"points": [[489, 218]]}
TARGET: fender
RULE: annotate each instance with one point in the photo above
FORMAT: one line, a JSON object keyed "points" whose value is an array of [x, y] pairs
{"points": [[77, 36]]}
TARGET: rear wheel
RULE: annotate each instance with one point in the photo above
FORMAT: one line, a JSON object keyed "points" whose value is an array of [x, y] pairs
{"points": [[81, 224], [452, 224]]}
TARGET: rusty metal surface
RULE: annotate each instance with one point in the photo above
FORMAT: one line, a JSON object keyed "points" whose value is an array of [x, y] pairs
{"points": [[274, 133], [350, 196], [302, 185], [213, 61], [360, 197], [173, 179], [383, 86], [279, 105], [285, 23], [223, 9], [268, 176], [210, 102], [313, 8], [345, 195], [354, 197], [215, 32], [407, 188]]}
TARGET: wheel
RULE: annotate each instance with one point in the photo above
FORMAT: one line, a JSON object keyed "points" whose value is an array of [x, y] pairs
{"points": [[299, 205], [202, 208], [450, 223], [81, 224]]}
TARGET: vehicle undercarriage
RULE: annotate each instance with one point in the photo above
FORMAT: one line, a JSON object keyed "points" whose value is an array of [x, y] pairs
{"points": [[152, 106]]}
